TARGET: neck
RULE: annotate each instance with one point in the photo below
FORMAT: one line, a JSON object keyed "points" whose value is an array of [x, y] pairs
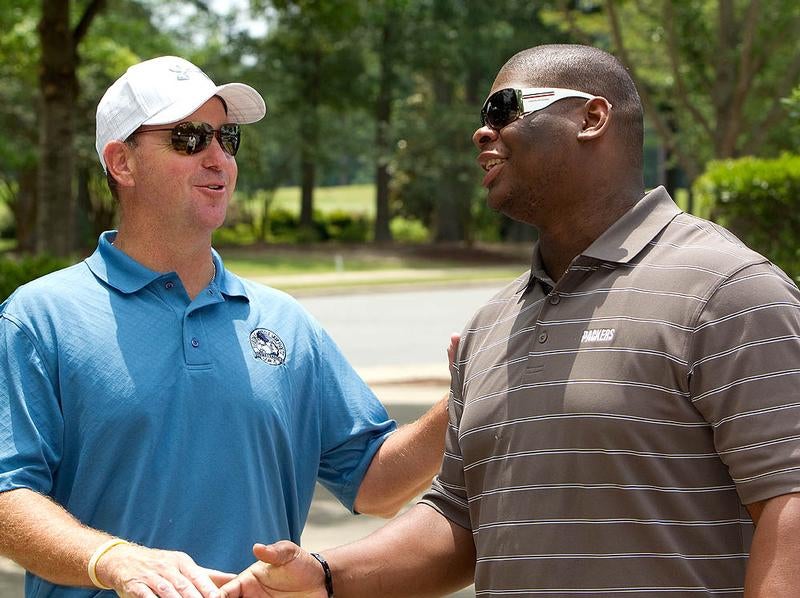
{"points": [[568, 237], [191, 262]]}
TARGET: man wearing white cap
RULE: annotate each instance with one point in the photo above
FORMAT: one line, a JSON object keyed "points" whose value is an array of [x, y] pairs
{"points": [[159, 412]]}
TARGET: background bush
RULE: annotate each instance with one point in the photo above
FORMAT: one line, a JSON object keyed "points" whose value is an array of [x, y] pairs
{"points": [[759, 201], [14, 273]]}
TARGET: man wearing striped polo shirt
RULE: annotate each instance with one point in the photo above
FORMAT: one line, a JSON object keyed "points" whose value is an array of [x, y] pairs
{"points": [[625, 417]]}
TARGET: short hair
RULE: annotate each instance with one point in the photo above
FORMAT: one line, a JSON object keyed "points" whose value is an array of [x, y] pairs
{"points": [[593, 71]]}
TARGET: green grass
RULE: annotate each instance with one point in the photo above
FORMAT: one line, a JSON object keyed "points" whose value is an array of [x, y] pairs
{"points": [[297, 264], [445, 277], [289, 272], [247, 264], [355, 199], [278, 261]]}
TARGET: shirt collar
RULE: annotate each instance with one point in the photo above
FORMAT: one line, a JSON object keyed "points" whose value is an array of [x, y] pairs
{"points": [[624, 239], [537, 272], [229, 284], [120, 271]]}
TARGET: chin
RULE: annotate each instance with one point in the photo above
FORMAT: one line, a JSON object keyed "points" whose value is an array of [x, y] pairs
{"points": [[496, 200], [503, 203]]}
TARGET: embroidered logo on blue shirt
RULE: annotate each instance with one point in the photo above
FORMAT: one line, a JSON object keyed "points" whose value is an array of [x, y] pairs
{"points": [[268, 346]]}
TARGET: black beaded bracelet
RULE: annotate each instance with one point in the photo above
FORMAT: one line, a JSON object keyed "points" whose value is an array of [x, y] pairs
{"points": [[327, 570]]}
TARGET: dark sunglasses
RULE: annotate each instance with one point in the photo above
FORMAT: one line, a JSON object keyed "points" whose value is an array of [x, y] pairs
{"points": [[507, 105], [193, 137]]}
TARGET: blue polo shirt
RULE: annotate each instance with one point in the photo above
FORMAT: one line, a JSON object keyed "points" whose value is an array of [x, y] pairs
{"points": [[199, 425]]}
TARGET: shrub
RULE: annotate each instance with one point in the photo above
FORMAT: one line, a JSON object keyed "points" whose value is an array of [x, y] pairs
{"points": [[14, 273], [408, 230], [282, 224], [236, 234], [345, 227], [759, 201]]}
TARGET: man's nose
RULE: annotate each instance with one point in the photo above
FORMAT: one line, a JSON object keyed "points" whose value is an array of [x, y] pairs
{"points": [[483, 135], [214, 156]]}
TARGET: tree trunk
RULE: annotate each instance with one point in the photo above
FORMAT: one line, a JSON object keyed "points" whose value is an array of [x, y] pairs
{"points": [[58, 86], [24, 208], [382, 128], [308, 175], [83, 209], [447, 218], [310, 137]]}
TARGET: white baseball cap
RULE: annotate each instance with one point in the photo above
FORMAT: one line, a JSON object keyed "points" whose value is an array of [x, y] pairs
{"points": [[164, 90]]}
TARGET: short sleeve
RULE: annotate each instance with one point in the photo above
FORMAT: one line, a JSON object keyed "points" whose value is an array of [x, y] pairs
{"points": [[31, 423], [448, 493], [745, 379], [354, 423]]}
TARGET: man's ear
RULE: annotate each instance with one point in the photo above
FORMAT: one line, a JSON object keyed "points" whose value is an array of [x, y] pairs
{"points": [[120, 162], [596, 116]]}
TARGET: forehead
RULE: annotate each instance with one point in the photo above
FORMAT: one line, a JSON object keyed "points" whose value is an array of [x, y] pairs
{"points": [[213, 112], [510, 78]]}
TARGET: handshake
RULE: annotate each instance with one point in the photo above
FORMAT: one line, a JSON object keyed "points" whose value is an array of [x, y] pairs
{"points": [[282, 569]]}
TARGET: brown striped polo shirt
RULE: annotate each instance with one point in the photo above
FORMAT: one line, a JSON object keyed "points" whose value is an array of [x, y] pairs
{"points": [[606, 429]]}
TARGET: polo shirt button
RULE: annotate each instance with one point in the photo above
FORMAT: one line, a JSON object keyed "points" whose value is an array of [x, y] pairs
{"points": [[169, 284], [195, 343], [542, 337], [555, 299]]}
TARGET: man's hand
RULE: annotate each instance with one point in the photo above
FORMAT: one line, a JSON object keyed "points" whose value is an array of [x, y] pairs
{"points": [[139, 572], [284, 569], [452, 348]]}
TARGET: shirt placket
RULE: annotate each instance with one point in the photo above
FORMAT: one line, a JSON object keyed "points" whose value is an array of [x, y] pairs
{"points": [[547, 336]]}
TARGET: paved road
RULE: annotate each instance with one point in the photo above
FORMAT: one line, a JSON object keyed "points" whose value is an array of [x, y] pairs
{"points": [[398, 329], [387, 336]]}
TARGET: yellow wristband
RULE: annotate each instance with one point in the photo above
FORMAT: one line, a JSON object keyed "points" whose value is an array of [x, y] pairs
{"points": [[101, 550]]}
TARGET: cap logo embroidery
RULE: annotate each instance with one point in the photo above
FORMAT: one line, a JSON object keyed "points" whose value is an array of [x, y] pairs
{"points": [[182, 73], [267, 346]]}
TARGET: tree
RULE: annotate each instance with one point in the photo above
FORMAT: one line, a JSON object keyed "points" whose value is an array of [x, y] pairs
{"points": [[18, 144], [58, 84], [458, 47], [711, 73], [389, 28], [322, 68]]}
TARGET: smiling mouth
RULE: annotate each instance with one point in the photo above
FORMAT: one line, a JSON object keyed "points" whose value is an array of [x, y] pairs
{"points": [[487, 166]]}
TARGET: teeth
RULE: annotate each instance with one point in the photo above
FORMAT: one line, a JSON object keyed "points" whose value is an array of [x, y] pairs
{"points": [[491, 163], [215, 187]]}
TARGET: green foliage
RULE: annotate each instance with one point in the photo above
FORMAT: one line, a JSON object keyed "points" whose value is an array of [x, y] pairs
{"points": [[408, 230], [343, 214], [455, 49], [319, 66], [7, 194], [283, 226], [792, 105], [345, 227], [19, 54], [759, 201], [14, 273], [356, 199]]}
